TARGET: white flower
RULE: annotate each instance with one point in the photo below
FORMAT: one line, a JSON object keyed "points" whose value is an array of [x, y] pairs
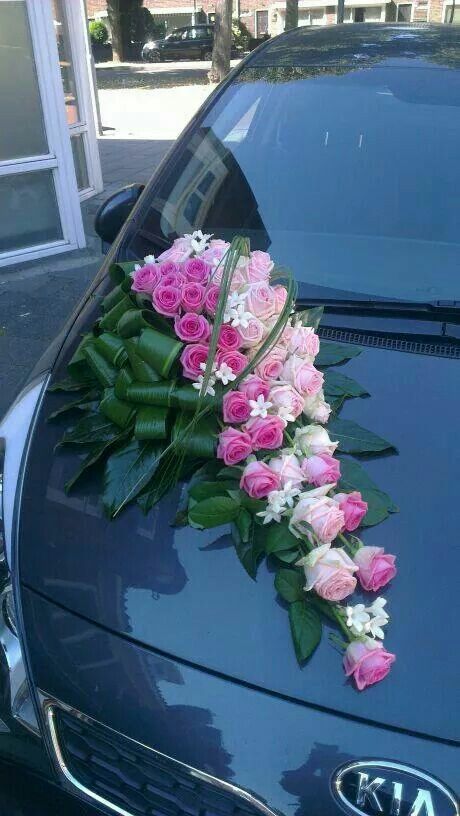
{"points": [[260, 406], [284, 413], [211, 382], [269, 515], [375, 626], [377, 608], [198, 241], [149, 259], [235, 313], [278, 502], [213, 367], [236, 299], [225, 374], [290, 493], [358, 619], [136, 267]]}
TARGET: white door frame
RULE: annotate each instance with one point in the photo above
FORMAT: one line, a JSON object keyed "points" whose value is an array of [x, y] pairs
{"points": [[59, 157]]}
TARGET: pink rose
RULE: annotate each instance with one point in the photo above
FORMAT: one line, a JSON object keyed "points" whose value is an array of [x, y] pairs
{"points": [[236, 407], [197, 270], [287, 400], [329, 571], [288, 469], [271, 366], [180, 251], [320, 512], [321, 469], [229, 338], [238, 279], [166, 300], [353, 508], [253, 386], [253, 333], [302, 340], [191, 358], [210, 299], [192, 328], [302, 375], [193, 296], [258, 480], [266, 433], [170, 268], [280, 298], [146, 279], [234, 359], [260, 300], [316, 408], [376, 567], [367, 662], [260, 266], [234, 446], [215, 251], [173, 279]]}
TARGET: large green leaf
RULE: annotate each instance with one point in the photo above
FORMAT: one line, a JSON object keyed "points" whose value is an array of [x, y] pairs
{"points": [[127, 472], [206, 490], [290, 585], [355, 439], [87, 402], [279, 538], [70, 384], [337, 385], [354, 477], [91, 429], [334, 353], [249, 543], [311, 317], [306, 629], [95, 455], [214, 511]]}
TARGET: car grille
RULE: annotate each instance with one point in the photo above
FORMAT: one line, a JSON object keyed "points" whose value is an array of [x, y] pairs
{"points": [[361, 338], [130, 778]]}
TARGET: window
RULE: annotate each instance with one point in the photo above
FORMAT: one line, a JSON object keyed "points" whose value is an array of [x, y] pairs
{"points": [[404, 13], [198, 34], [261, 22], [448, 12]]}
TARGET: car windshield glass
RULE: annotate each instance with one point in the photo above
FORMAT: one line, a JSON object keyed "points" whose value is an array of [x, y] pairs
{"points": [[349, 177]]}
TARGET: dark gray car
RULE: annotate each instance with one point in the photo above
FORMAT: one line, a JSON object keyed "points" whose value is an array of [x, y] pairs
{"points": [[188, 43]]}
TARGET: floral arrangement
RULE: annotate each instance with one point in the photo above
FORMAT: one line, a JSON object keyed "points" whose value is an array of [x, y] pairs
{"points": [[201, 367]]}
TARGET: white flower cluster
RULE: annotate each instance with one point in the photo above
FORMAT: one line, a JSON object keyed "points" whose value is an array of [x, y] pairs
{"points": [[278, 501], [368, 620]]}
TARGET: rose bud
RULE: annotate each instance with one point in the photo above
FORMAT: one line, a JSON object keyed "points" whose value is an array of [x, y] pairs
{"points": [[367, 662]]}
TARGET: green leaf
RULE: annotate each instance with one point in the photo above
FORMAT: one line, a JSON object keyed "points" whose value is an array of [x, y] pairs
{"points": [[87, 402], [306, 629], [230, 473], [127, 472], [354, 477], [311, 317], [288, 556], [70, 384], [250, 552], [206, 490], [355, 439], [244, 523], [89, 430], [279, 538], [290, 585], [93, 457], [214, 511], [337, 385], [334, 353]]}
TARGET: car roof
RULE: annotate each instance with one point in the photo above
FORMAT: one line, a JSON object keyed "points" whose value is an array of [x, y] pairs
{"points": [[365, 43]]}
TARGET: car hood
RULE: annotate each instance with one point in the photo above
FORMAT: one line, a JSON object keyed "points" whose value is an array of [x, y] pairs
{"points": [[184, 593]]}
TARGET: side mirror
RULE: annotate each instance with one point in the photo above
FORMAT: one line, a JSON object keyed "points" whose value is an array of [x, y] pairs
{"points": [[113, 213]]}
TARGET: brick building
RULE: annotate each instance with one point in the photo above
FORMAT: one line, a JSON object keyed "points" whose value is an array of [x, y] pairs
{"points": [[267, 16]]}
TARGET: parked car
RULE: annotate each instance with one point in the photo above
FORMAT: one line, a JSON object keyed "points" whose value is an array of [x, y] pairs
{"points": [[141, 668], [188, 42]]}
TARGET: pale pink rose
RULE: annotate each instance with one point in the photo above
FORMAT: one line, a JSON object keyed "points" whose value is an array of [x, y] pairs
{"points": [[316, 408], [234, 359], [176, 279], [234, 446], [367, 662], [193, 296], [166, 300], [329, 571], [266, 432], [196, 270], [146, 279], [192, 328], [280, 298], [236, 407], [253, 386], [180, 251], [260, 266], [321, 469], [215, 251], [376, 567], [287, 400], [314, 439], [258, 480], [302, 375], [320, 512], [192, 357], [353, 508], [170, 268], [210, 299], [238, 280], [229, 338], [260, 300], [253, 333], [271, 366], [302, 340], [288, 469]]}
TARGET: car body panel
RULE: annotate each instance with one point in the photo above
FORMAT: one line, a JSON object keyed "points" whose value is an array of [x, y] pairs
{"points": [[191, 43]]}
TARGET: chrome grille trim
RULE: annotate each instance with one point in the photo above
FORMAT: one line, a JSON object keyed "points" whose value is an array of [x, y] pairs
{"points": [[362, 338], [49, 706]]}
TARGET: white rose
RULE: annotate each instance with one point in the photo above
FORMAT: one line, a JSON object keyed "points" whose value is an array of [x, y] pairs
{"points": [[316, 408], [313, 440]]}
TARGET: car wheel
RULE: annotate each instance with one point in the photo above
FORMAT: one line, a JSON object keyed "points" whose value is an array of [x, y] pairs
{"points": [[154, 56], [207, 55]]}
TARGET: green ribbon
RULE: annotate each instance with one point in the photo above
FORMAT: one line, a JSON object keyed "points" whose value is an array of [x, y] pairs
{"points": [[151, 394], [112, 348], [104, 371], [121, 413], [159, 351], [151, 423], [142, 371]]}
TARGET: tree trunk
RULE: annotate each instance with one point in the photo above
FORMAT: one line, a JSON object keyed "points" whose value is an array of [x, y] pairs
{"points": [[452, 12], [292, 14], [222, 41], [119, 13]]}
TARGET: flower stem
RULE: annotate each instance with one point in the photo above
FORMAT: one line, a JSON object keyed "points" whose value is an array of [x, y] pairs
{"points": [[343, 626], [350, 548], [289, 438]]}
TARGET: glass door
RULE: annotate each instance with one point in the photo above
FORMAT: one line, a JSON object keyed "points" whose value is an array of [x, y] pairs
{"points": [[39, 206]]}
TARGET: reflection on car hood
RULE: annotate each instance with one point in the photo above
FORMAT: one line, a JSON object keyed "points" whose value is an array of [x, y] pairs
{"points": [[184, 592]]}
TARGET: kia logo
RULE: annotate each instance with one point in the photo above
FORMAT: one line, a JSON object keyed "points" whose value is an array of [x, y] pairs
{"points": [[381, 788]]}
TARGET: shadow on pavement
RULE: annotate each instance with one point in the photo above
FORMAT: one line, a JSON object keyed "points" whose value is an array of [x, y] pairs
{"points": [[164, 77]]}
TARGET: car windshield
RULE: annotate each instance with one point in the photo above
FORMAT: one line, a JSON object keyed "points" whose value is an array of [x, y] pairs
{"points": [[349, 177]]}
